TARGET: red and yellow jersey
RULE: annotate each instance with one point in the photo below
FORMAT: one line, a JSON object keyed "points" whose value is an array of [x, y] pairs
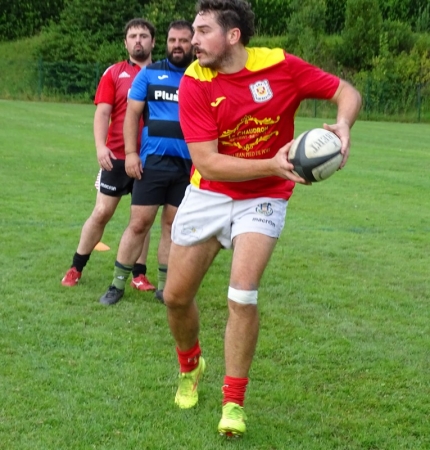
{"points": [[251, 113], [113, 90]]}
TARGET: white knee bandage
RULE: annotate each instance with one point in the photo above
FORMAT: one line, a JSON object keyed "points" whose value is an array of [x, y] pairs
{"points": [[242, 297]]}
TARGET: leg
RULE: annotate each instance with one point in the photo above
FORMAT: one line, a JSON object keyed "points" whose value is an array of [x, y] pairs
{"points": [[167, 216], [132, 240], [130, 246], [242, 325], [91, 233], [140, 280], [188, 265], [93, 229], [145, 249]]}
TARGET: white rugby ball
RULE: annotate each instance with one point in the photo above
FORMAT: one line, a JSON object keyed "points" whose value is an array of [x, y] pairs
{"points": [[315, 154]]}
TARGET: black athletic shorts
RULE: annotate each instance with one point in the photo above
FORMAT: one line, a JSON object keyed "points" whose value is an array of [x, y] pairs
{"points": [[158, 187], [115, 182]]}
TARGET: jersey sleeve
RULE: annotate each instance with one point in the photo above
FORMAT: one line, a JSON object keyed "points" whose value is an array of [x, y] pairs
{"points": [[196, 119], [139, 87], [311, 81], [106, 89]]}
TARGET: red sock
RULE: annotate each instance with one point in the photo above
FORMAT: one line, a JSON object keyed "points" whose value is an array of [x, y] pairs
{"points": [[234, 390], [189, 359]]}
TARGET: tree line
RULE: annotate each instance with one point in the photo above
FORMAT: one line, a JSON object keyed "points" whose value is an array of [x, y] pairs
{"points": [[387, 40], [21, 18]]}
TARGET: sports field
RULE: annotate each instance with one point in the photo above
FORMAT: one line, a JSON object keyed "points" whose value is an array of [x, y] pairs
{"points": [[343, 360]]}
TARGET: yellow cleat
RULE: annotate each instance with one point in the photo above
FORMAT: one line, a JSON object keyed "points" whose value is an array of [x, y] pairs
{"points": [[187, 395], [232, 423]]}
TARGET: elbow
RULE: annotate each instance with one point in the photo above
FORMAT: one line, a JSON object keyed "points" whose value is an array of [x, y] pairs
{"points": [[207, 174]]}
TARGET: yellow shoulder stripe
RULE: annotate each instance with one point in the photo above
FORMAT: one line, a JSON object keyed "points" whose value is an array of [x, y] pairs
{"points": [[258, 58], [262, 58], [200, 73]]}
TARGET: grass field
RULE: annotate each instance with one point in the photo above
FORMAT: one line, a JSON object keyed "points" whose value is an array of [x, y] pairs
{"points": [[343, 356]]}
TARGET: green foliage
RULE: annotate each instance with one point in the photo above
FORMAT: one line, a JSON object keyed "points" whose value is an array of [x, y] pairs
{"points": [[363, 22], [25, 18], [395, 82], [306, 27], [89, 34], [398, 36], [422, 24], [422, 44], [270, 42], [90, 31], [402, 10], [271, 16], [335, 16]]}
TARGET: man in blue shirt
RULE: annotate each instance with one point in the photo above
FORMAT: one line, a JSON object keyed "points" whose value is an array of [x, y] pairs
{"points": [[162, 170]]}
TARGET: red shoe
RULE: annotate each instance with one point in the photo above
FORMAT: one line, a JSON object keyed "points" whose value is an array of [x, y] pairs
{"points": [[71, 278], [141, 283]]}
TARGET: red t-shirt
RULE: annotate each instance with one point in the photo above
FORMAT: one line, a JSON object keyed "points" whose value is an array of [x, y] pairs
{"points": [[113, 90], [251, 113]]}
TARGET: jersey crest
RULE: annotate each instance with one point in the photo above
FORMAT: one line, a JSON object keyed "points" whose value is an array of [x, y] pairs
{"points": [[261, 91]]}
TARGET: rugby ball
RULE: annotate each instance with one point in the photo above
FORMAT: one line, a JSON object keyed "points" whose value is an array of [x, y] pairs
{"points": [[315, 154]]}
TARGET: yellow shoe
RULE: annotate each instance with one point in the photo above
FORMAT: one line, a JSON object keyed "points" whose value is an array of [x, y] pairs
{"points": [[187, 395], [232, 422]]}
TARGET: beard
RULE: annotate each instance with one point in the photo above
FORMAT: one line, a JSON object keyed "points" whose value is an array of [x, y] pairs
{"points": [[140, 54], [215, 61], [180, 60]]}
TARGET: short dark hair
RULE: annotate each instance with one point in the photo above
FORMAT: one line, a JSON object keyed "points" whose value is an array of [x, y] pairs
{"points": [[231, 14], [139, 23], [180, 25]]}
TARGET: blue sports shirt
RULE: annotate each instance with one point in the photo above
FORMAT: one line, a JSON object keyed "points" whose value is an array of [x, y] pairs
{"points": [[163, 146]]}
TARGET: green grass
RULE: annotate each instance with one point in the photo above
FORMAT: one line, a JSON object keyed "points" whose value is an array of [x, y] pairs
{"points": [[343, 354]]}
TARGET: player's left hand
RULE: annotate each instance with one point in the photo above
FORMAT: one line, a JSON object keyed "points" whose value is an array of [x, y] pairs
{"points": [[133, 166], [342, 130], [284, 167]]}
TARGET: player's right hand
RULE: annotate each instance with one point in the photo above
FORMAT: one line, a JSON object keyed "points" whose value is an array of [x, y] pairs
{"points": [[104, 157], [133, 166]]}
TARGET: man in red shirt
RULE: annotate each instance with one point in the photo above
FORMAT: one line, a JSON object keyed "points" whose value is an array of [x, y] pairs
{"points": [[112, 181], [236, 109]]}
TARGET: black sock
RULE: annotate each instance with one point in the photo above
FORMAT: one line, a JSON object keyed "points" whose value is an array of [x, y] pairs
{"points": [[80, 261], [138, 269]]}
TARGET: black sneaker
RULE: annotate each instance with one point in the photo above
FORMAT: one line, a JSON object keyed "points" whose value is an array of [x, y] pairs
{"points": [[159, 295], [113, 295]]}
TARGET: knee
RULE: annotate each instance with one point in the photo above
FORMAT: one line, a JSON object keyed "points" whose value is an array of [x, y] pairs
{"points": [[139, 226], [173, 300], [102, 215]]}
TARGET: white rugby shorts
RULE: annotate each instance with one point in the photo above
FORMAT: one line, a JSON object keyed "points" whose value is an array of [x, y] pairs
{"points": [[204, 214]]}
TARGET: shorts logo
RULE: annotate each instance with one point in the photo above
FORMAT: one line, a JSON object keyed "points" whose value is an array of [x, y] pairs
{"points": [[108, 187], [191, 231], [261, 91], [265, 209]]}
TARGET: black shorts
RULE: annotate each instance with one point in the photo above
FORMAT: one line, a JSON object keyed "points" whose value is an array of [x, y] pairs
{"points": [[157, 187], [115, 182]]}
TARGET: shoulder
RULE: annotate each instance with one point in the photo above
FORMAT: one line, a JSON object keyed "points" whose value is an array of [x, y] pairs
{"points": [[196, 71], [159, 65], [120, 69], [262, 58]]}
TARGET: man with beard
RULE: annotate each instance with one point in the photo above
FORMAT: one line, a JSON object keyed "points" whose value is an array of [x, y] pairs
{"points": [[112, 181], [163, 169], [237, 107]]}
